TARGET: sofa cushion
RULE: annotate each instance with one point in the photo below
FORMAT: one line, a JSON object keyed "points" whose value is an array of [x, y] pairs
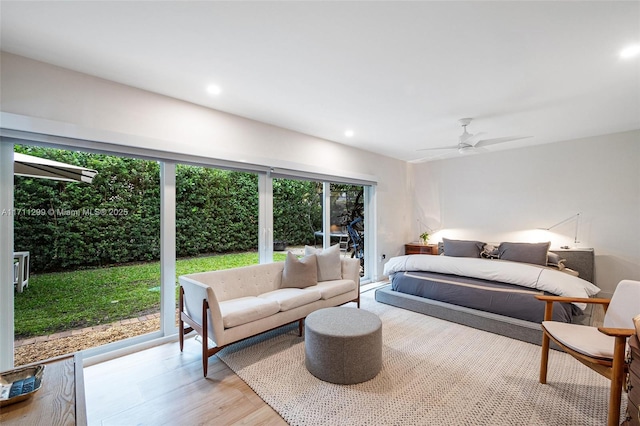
{"points": [[329, 289], [299, 273], [244, 281], [290, 298], [246, 309], [329, 265]]}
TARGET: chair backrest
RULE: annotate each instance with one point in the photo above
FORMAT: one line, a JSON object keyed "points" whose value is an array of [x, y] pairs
{"points": [[624, 305]]}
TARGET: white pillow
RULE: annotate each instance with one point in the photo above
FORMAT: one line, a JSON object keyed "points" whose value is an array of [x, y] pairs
{"points": [[329, 265]]}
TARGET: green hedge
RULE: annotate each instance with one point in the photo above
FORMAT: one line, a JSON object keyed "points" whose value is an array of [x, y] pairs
{"points": [[116, 219]]}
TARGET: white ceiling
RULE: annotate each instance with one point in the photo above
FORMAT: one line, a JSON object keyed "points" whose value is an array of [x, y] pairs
{"points": [[400, 74]]}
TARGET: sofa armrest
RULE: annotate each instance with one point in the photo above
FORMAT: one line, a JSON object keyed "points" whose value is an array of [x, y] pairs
{"points": [[195, 293], [351, 269]]}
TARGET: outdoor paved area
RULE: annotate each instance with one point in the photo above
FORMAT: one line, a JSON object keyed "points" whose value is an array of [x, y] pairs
{"points": [[80, 331]]}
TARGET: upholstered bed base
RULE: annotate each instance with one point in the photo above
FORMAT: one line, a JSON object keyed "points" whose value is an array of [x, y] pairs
{"points": [[510, 327]]}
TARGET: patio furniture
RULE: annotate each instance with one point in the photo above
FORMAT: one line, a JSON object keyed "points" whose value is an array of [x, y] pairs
{"points": [[21, 270], [343, 239]]}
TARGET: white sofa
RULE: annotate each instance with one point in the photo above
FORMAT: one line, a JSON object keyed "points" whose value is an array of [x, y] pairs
{"points": [[233, 304]]}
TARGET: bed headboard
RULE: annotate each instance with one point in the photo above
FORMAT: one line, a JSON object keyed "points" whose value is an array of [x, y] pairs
{"points": [[581, 260]]}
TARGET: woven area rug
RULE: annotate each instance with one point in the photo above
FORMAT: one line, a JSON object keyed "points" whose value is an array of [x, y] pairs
{"points": [[434, 373]]}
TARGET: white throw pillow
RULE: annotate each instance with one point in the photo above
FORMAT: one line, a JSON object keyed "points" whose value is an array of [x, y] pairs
{"points": [[329, 265]]}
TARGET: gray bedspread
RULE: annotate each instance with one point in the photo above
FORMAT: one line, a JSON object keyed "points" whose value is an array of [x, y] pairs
{"points": [[489, 296]]}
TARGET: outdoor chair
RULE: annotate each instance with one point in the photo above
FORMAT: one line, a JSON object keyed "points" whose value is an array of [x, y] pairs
{"points": [[600, 348]]}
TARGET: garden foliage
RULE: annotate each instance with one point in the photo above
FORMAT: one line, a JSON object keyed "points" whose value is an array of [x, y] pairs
{"points": [[116, 219]]}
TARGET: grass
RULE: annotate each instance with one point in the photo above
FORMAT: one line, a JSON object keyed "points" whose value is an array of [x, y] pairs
{"points": [[66, 300]]}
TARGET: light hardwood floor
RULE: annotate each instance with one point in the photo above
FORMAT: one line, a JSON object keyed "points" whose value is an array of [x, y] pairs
{"points": [[162, 386]]}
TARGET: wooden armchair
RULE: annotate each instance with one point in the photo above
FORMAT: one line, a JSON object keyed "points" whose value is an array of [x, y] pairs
{"points": [[599, 348]]}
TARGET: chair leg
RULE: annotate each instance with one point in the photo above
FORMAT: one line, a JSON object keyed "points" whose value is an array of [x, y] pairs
{"points": [[617, 378], [544, 358]]}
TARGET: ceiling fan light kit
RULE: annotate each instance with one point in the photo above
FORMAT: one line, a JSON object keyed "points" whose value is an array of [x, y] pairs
{"points": [[465, 149]]}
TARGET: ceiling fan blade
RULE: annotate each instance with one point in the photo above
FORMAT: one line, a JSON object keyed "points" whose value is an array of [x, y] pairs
{"points": [[487, 142], [435, 149], [431, 158]]}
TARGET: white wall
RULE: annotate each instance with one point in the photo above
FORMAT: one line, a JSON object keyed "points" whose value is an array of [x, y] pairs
{"points": [[507, 195], [43, 98], [493, 197]]}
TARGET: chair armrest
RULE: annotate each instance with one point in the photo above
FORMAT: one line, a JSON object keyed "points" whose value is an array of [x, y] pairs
{"points": [[549, 298], [617, 332], [548, 307]]}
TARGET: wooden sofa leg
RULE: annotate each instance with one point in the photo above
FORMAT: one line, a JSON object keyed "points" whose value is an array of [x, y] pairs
{"points": [[300, 327], [205, 357], [181, 322], [205, 341]]}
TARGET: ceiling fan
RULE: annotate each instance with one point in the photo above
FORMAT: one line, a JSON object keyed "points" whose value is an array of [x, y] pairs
{"points": [[469, 143]]}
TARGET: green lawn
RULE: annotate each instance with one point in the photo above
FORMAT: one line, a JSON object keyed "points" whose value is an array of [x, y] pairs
{"points": [[66, 300]]}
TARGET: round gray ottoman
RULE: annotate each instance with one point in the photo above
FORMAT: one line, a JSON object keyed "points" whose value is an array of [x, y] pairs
{"points": [[343, 345]]}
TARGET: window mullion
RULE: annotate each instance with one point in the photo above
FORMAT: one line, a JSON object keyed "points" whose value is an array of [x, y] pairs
{"points": [[168, 248]]}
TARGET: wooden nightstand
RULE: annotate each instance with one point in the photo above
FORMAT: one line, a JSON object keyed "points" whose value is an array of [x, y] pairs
{"points": [[418, 248], [633, 384]]}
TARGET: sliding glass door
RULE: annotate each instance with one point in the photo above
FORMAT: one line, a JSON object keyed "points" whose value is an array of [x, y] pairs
{"points": [[216, 214], [89, 252], [104, 256], [348, 219], [297, 215]]}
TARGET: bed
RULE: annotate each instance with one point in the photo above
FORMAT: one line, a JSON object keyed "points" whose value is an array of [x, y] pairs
{"points": [[492, 287]]}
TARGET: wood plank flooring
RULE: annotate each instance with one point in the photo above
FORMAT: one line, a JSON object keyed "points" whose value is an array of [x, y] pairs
{"points": [[162, 386]]}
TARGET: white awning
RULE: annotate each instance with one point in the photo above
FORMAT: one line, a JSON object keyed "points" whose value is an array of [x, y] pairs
{"points": [[28, 165]]}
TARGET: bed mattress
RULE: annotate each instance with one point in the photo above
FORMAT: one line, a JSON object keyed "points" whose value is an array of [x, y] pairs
{"points": [[489, 296]]}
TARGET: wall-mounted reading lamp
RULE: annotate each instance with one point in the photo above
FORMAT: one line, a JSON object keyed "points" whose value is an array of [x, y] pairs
{"points": [[575, 217]]}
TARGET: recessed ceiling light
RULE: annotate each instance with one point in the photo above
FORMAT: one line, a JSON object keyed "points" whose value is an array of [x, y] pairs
{"points": [[348, 133], [630, 51], [214, 89]]}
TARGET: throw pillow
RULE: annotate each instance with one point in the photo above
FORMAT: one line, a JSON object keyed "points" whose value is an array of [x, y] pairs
{"points": [[535, 253], [489, 252], [329, 265], [555, 261], [462, 248], [299, 273]]}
